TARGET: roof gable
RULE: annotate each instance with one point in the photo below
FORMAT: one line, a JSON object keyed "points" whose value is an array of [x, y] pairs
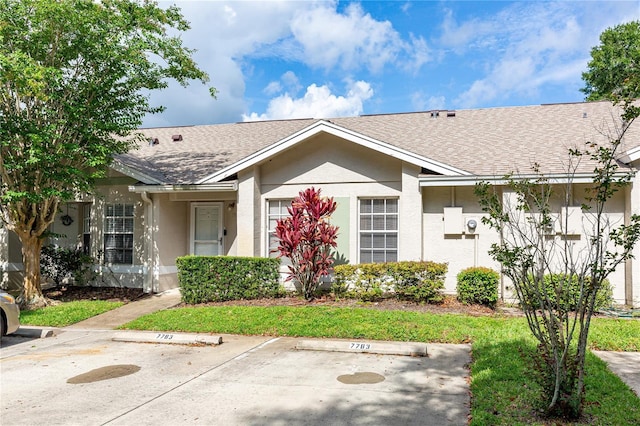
{"points": [[323, 126]]}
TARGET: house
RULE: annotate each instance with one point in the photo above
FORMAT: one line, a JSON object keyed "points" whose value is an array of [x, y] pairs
{"points": [[404, 184]]}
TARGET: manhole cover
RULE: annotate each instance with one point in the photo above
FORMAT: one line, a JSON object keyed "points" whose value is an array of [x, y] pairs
{"points": [[104, 373], [361, 378]]}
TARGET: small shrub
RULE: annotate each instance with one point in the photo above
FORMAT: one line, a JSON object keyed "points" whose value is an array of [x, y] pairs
{"points": [[478, 285], [219, 278], [61, 264], [417, 281], [553, 282]]}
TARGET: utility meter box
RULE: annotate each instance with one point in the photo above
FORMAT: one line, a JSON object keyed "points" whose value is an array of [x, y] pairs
{"points": [[453, 222]]}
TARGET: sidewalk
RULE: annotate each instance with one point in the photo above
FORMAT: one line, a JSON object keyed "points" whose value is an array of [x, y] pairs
{"points": [[129, 312], [625, 365]]}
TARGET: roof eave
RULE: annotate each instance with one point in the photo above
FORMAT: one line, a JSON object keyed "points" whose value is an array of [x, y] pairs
{"points": [[135, 174], [558, 178], [227, 186]]}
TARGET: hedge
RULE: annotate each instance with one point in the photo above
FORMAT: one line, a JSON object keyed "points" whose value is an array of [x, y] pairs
{"points": [[219, 278], [478, 285], [417, 281]]}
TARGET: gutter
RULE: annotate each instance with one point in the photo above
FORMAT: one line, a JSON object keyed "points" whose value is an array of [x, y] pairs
{"points": [[149, 281], [210, 187], [558, 178]]}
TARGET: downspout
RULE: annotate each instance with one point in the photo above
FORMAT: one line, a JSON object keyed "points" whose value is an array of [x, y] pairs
{"points": [[149, 283]]}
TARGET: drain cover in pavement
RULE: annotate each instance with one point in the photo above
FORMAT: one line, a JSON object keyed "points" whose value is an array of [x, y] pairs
{"points": [[104, 373], [360, 378]]}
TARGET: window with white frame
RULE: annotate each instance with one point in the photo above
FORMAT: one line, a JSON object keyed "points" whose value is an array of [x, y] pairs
{"points": [[276, 209], [118, 234], [378, 233], [86, 228]]}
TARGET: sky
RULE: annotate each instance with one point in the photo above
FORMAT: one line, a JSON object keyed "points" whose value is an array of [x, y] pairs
{"points": [[322, 59]]}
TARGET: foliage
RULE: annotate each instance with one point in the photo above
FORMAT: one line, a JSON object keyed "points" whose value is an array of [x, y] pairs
{"points": [[67, 313], [523, 216], [59, 264], [219, 278], [74, 83], [570, 294], [306, 237], [613, 70], [478, 285], [417, 281]]}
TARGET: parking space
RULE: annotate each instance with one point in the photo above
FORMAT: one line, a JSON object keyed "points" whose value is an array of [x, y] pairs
{"points": [[84, 377]]}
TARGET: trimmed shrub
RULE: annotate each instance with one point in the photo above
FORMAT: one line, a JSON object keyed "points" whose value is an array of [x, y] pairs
{"points": [[604, 297], [219, 278], [417, 281], [478, 285]]}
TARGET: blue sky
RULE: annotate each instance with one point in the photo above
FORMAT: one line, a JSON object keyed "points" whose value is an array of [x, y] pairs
{"points": [[322, 59]]}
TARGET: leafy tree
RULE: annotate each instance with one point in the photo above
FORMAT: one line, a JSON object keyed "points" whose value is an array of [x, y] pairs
{"points": [[73, 81], [530, 255], [306, 238], [614, 70]]}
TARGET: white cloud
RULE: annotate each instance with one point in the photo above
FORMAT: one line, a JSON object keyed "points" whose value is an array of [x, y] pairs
{"points": [[317, 102], [524, 47], [352, 40], [229, 36], [419, 102]]}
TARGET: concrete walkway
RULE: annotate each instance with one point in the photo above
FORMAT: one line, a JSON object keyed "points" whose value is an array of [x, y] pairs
{"points": [[625, 365], [126, 313]]}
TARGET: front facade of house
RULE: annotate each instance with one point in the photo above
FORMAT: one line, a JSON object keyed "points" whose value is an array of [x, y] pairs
{"points": [[404, 185]]}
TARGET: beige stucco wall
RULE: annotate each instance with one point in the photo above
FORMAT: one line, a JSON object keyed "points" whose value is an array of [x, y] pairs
{"points": [[347, 171], [462, 249], [172, 230]]}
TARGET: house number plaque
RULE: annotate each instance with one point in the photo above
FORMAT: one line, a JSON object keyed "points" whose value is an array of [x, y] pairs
{"points": [[360, 346]]}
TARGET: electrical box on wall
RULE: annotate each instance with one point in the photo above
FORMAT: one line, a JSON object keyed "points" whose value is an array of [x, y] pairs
{"points": [[573, 218], [453, 223]]}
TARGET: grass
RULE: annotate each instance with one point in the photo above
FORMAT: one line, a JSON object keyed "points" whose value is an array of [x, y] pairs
{"points": [[66, 313], [504, 392]]}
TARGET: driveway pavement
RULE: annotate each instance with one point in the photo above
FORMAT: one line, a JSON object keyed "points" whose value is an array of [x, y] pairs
{"points": [[88, 374], [84, 377]]}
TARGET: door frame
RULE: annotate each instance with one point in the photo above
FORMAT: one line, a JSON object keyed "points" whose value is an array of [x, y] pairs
{"points": [[192, 225]]}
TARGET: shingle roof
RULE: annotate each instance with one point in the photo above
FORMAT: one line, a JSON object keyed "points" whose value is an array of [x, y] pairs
{"points": [[491, 141]]}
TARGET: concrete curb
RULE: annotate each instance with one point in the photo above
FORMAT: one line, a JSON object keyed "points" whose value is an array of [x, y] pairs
{"points": [[371, 347], [166, 337], [35, 332]]}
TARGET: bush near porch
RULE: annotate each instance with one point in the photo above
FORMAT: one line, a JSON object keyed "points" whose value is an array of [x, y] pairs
{"points": [[219, 278], [416, 281]]}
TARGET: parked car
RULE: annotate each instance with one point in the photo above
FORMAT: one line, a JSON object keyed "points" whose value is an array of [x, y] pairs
{"points": [[9, 314]]}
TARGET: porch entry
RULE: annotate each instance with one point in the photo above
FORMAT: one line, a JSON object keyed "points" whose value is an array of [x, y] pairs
{"points": [[206, 229]]}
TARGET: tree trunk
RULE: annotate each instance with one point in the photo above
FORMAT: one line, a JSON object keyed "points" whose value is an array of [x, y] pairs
{"points": [[31, 290]]}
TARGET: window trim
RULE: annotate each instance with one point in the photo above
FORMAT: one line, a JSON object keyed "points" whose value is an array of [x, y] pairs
{"points": [[382, 231], [268, 216], [105, 232]]}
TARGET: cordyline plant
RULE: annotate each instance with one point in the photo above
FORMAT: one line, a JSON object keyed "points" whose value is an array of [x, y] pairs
{"points": [[306, 237], [533, 257]]}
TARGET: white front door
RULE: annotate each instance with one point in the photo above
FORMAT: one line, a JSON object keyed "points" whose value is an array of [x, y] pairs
{"points": [[206, 229]]}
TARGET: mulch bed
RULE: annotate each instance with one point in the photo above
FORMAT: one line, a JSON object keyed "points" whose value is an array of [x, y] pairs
{"points": [[111, 294], [450, 305]]}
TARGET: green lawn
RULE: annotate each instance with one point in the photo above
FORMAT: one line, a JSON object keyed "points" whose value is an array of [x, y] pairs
{"points": [[66, 313], [501, 384]]}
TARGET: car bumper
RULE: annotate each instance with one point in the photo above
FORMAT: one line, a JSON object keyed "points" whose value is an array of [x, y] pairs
{"points": [[12, 313]]}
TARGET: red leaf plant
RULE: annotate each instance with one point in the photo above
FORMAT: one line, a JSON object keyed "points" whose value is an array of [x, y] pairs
{"points": [[306, 237]]}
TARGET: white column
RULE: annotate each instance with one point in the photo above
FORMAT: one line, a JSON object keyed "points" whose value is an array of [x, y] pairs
{"points": [[410, 215], [248, 213]]}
